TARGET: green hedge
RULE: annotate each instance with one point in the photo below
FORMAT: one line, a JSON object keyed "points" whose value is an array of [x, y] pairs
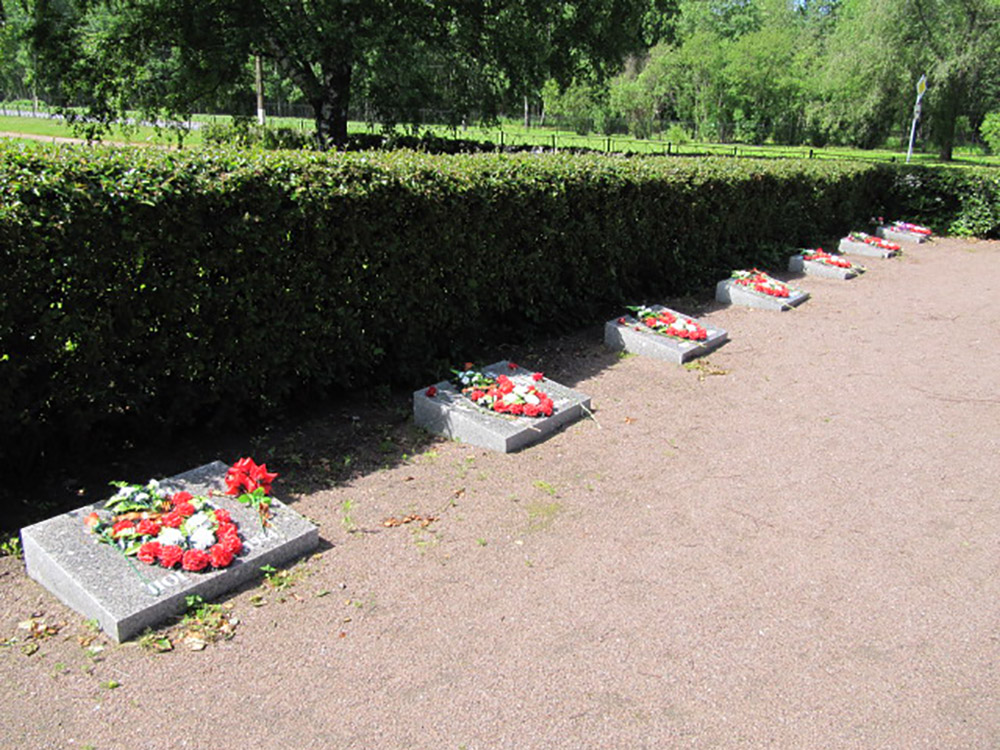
{"points": [[955, 201], [145, 290]]}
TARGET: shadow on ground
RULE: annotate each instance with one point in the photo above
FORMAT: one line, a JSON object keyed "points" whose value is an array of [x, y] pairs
{"points": [[322, 447]]}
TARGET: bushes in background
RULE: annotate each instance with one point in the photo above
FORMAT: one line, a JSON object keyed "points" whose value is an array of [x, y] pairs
{"points": [[146, 290]]}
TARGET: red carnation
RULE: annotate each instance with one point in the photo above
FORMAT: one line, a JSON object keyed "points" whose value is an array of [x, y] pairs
{"points": [[263, 477], [92, 520], [171, 520], [246, 476], [225, 529], [220, 556], [149, 552], [121, 526], [148, 527], [232, 543], [431, 392], [181, 497], [170, 555], [185, 510], [621, 321], [194, 560], [512, 365], [222, 516], [537, 376]]}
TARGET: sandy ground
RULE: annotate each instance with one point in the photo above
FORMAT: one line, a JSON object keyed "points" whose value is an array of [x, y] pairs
{"points": [[799, 550]]}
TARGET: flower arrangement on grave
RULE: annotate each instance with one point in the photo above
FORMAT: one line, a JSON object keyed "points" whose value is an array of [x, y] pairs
{"points": [[818, 255], [252, 485], [500, 394], [160, 528], [874, 241], [905, 226], [666, 323], [758, 281]]}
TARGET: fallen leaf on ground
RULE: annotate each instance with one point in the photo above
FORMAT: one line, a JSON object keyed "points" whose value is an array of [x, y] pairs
{"points": [[424, 521]]}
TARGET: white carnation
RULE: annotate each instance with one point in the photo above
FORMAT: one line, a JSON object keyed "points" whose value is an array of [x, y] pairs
{"points": [[202, 538], [198, 521], [170, 536]]}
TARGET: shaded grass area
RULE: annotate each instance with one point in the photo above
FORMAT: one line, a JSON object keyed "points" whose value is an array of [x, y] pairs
{"points": [[46, 127], [509, 134]]}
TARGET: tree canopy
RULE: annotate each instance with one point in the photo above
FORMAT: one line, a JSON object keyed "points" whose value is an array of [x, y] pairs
{"points": [[172, 55], [787, 71]]}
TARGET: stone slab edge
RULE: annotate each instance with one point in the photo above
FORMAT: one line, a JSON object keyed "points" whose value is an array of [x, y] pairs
{"points": [[731, 294], [798, 264], [624, 337], [452, 415], [849, 247], [126, 596], [897, 235]]}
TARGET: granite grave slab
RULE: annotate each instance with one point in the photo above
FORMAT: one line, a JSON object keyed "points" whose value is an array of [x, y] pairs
{"points": [[853, 247], [801, 264], [126, 596], [632, 337], [731, 293], [451, 414], [895, 234]]}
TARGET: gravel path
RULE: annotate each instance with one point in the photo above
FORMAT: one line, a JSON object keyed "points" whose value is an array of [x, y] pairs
{"points": [[799, 550]]}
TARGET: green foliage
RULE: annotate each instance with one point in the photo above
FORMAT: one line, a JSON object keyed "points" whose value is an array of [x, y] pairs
{"points": [[879, 51], [146, 291], [10, 545], [578, 106], [990, 131], [677, 134], [245, 133], [954, 201], [400, 57]]}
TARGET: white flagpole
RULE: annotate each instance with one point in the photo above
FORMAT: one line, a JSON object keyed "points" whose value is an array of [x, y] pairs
{"points": [[921, 88]]}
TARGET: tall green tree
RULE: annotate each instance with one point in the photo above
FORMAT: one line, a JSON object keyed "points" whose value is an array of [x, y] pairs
{"points": [[958, 44], [880, 50], [169, 55], [735, 64]]}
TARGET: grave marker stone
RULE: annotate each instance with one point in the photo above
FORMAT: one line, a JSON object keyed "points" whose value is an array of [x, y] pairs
{"points": [[800, 264], [625, 336], [731, 293], [851, 247], [126, 596], [452, 415], [895, 234]]}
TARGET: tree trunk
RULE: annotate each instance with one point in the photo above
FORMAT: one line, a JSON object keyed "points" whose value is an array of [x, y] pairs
{"points": [[330, 106], [946, 116], [328, 94]]}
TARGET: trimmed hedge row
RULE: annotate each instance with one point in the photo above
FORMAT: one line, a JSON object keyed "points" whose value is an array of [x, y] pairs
{"points": [[145, 290], [954, 201]]}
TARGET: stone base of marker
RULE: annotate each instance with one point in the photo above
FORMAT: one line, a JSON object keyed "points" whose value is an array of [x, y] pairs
{"points": [[731, 293], [626, 337], [798, 264], [898, 235], [850, 247], [452, 415], [126, 596]]}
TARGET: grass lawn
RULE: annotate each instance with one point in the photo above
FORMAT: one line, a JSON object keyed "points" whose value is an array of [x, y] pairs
{"points": [[515, 133], [52, 128]]}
